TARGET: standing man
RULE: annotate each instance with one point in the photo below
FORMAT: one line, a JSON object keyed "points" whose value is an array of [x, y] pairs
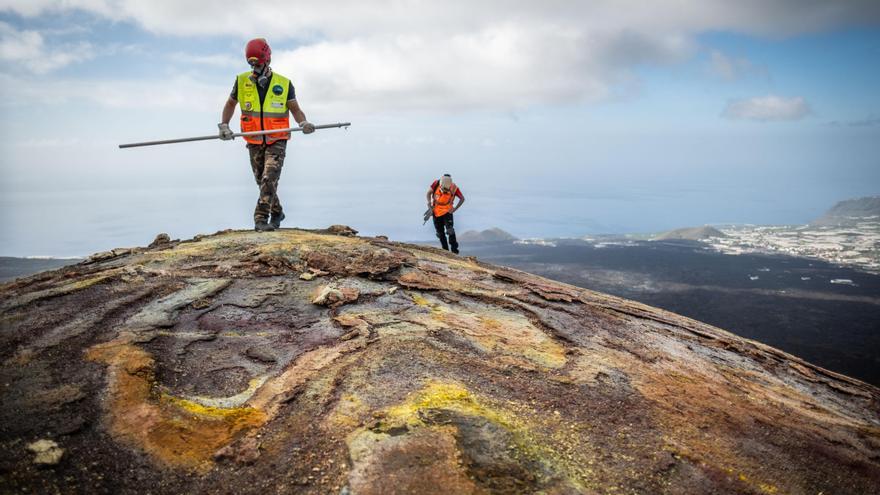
{"points": [[265, 97], [440, 196]]}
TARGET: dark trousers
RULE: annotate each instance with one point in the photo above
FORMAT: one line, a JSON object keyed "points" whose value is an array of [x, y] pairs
{"points": [[445, 227], [266, 163]]}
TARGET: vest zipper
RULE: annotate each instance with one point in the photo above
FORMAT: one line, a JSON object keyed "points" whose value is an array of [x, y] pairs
{"points": [[263, 104]]}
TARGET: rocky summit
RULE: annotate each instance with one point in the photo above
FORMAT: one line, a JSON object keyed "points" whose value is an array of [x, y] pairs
{"points": [[322, 362]]}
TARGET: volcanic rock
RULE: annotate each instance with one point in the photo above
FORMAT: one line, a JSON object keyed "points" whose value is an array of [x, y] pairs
{"points": [[205, 367], [243, 451], [344, 230], [47, 452], [332, 296], [160, 240]]}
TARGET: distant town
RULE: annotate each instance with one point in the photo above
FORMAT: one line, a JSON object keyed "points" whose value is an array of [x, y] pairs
{"points": [[847, 235], [855, 245]]}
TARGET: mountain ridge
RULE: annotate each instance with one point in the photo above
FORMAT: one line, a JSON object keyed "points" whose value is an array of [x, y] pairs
{"points": [[493, 234], [850, 211], [690, 234]]}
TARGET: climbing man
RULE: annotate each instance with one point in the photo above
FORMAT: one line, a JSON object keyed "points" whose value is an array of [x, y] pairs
{"points": [[440, 196], [265, 97]]}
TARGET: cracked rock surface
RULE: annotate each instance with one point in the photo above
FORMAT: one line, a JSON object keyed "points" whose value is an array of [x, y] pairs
{"points": [[214, 366]]}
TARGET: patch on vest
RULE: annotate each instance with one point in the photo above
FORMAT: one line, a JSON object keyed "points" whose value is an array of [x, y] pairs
{"points": [[277, 89], [277, 104], [247, 105]]}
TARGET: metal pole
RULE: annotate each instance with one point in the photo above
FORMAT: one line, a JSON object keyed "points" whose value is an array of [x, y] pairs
{"points": [[237, 134]]}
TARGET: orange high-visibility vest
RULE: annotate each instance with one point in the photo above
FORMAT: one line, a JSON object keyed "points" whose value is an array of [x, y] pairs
{"points": [[269, 114], [443, 200]]}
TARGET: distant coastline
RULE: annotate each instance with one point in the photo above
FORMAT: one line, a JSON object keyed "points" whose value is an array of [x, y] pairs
{"points": [[12, 268]]}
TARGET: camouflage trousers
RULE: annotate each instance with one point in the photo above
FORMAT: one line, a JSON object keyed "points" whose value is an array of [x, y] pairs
{"points": [[266, 162]]}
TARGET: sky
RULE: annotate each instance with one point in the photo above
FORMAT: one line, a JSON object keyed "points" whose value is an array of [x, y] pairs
{"points": [[556, 118]]}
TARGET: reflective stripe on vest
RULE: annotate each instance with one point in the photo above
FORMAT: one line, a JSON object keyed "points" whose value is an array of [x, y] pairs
{"points": [[269, 114], [443, 201]]}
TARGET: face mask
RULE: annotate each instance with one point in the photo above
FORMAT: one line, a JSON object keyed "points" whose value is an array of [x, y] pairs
{"points": [[260, 75]]}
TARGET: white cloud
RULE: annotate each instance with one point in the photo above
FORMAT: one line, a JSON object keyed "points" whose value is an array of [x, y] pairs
{"points": [[767, 108], [350, 18], [221, 60], [508, 66], [457, 54], [176, 92], [502, 65], [730, 67], [29, 49], [43, 143]]}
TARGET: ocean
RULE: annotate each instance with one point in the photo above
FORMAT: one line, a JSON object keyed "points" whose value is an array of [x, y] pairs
{"points": [[79, 222]]}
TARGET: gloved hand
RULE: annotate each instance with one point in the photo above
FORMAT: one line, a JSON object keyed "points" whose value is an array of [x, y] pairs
{"points": [[225, 131], [307, 127]]}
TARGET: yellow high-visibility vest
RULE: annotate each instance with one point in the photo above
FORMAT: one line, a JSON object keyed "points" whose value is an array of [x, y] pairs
{"points": [[269, 114]]}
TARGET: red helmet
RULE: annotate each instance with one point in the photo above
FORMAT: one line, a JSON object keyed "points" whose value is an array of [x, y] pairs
{"points": [[257, 51]]}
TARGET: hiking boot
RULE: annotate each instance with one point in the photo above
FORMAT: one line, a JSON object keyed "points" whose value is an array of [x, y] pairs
{"points": [[263, 226], [275, 220]]}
